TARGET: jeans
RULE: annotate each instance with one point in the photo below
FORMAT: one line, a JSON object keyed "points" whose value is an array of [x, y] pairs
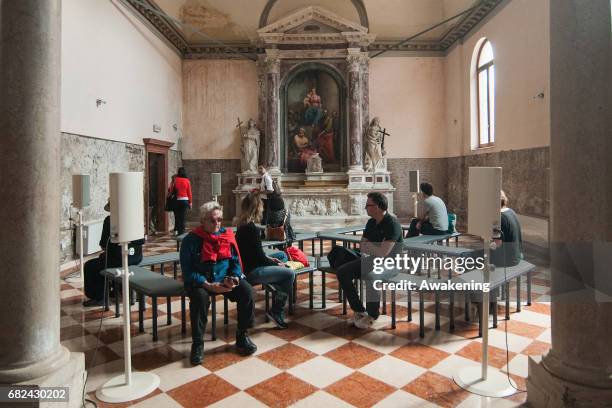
{"points": [[353, 270], [199, 302], [426, 229], [179, 216], [280, 277]]}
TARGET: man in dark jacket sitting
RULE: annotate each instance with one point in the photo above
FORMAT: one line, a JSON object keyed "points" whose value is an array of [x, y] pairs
{"points": [[211, 264], [109, 258]]}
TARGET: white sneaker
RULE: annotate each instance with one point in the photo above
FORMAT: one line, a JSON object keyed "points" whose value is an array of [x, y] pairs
{"points": [[365, 322], [356, 317]]}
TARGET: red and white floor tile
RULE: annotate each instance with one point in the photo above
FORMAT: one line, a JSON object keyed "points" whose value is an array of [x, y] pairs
{"points": [[319, 361]]}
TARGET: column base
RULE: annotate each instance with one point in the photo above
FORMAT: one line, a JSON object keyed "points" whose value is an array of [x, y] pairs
{"points": [[71, 374], [544, 389]]}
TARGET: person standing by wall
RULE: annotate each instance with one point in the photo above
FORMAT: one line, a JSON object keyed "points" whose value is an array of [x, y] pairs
{"points": [[182, 188]]}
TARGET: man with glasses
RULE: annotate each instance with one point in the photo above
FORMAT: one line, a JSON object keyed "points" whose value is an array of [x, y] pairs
{"points": [[211, 264], [382, 237]]}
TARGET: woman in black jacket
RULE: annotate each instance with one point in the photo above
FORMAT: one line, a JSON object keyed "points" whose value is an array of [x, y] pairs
{"points": [[278, 215], [257, 266]]}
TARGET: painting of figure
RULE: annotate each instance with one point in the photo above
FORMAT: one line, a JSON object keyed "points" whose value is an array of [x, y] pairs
{"points": [[312, 119]]}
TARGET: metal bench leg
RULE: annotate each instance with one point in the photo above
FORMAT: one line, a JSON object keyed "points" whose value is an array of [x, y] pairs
{"points": [[106, 297], [154, 299], [493, 307], [169, 310], [311, 289], [213, 330], [141, 302], [267, 302], [291, 300], [117, 302], [384, 302], [161, 269], [174, 270], [324, 300], [467, 307], [518, 294], [451, 311], [409, 304], [529, 289], [225, 311], [343, 304], [437, 300], [392, 309], [183, 316], [507, 286], [421, 315]]}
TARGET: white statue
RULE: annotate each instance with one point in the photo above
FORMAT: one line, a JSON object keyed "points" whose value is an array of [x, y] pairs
{"points": [[314, 164], [250, 147], [374, 140]]}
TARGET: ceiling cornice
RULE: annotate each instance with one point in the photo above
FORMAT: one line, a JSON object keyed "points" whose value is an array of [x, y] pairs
{"points": [[166, 28]]}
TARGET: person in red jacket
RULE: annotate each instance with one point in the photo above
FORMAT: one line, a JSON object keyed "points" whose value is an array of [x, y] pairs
{"points": [[181, 185]]}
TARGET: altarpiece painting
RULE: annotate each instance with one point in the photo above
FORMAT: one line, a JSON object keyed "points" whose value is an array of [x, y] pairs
{"points": [[313, 121]]}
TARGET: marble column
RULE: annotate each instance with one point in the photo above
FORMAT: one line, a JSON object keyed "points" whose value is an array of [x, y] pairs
{"points": [[365, 92], [29, 211], [354, 108], [261, 101], [272, 135], [577, 371]]}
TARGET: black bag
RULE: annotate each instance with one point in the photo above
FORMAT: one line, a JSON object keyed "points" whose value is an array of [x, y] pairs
{"points": [[339, 255], [171, 201]]}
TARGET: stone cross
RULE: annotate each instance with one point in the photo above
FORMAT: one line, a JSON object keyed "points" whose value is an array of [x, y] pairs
{"points": [[383, 133]]}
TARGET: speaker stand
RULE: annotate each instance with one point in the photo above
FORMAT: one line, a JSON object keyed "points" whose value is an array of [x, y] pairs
{"points": [[129, 386], [481, 380]]}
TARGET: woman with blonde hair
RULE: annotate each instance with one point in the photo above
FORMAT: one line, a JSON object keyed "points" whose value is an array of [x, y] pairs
{"points": [[258, 267]]}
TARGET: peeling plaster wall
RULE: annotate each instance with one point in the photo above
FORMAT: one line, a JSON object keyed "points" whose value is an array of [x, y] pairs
{"points": [[98, 158]]}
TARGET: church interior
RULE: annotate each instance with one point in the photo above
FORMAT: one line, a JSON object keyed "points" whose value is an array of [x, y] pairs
{"points": [[355, 115]]}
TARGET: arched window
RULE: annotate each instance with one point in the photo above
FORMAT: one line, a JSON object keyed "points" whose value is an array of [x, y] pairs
{"points": [[485, 86]]}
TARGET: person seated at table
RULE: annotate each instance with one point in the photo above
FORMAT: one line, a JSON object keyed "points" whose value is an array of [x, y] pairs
{"points": [[258, 267], [435, 221], [382, 237], [111, 257], [278, 215], [211, 265], [509, 245]]}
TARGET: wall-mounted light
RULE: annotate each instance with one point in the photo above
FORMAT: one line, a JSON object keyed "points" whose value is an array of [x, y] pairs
{"points": [[175, 127], [100, 102], [539, 96], [156, 128]]}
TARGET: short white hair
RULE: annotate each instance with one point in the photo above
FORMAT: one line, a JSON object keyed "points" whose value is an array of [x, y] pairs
{"points": [[206, 209]]}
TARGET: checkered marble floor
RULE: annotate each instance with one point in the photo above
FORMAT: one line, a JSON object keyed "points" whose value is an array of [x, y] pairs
{"points": [[320, 361]]}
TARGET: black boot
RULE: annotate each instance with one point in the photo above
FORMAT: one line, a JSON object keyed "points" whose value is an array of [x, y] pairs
{"points": [[197, 353], [276, 312], [244, 345]]}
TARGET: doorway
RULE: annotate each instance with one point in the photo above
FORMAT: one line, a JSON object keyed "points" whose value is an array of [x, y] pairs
{"points": [[156, 185]]}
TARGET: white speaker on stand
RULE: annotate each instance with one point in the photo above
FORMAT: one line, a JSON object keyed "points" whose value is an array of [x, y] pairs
{"points": [[216, 185], [483, 216], [127, 224], [80, 200]]}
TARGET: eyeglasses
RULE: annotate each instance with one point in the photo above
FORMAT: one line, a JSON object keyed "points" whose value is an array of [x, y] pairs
{"points": [[214, 220], [370, 205]]}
